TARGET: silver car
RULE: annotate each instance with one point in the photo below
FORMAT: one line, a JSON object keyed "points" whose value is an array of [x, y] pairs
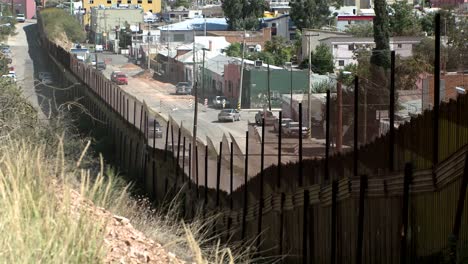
{"points": [[229, 115]]}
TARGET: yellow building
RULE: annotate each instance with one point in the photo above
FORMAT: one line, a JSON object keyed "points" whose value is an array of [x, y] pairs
{"points": [[153, 6]]}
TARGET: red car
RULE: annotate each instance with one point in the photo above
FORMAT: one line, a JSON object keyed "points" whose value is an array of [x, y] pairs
{"points": [[119, 78]]}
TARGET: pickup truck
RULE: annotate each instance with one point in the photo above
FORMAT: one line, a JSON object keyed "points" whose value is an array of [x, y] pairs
{"points": [[292, 129]]}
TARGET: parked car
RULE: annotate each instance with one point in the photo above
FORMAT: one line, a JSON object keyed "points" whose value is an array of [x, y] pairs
{"points": [[284, 122], [101, 65], [183, 88], [154, 129], [20, 18], [229, 115], [269, 118], [221, 102], [98, 48], [150, 20], [292, 129], [46, 77], [119, 78], [11, 75]]}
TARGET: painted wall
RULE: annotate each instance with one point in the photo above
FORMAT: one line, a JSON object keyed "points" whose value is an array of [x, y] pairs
{"points": [[26, 7]]}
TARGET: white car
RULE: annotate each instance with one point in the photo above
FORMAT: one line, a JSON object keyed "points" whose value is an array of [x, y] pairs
{"points": [[11, 75], [46, 77], [229, 115], [20, 18]]}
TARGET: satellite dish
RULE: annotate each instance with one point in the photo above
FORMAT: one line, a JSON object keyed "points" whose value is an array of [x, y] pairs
{"points": [[258, 48]]}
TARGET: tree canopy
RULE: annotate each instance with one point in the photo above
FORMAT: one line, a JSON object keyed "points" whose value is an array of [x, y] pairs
{"points": [[363, 30], [403, 21], [322, 60], [243, 14], [309, 13], [380, 55]]}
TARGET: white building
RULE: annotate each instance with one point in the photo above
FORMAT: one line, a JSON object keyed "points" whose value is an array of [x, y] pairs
{"points": [[343, 48], [280, 26]]}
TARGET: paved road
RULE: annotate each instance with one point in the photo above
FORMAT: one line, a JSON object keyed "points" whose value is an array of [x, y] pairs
{"points": [[161, 98]]}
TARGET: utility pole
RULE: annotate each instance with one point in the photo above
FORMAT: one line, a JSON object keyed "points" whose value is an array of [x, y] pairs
{"points": [[149, 51], [269, 91], [339, 116], [291, 102], [239, 102], [203, 74], [195, 114]]}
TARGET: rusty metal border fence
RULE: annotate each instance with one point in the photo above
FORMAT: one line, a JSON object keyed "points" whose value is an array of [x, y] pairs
{"points": [[374, 211]]}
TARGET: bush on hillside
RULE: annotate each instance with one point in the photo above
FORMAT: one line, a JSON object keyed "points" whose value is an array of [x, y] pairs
{"points": [[56, 21]]}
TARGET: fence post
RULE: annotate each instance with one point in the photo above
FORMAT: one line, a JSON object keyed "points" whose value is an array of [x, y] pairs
{"points": [[262, 169], [205, 200], [154, 135], [305, 228], [154, 180], [360, 228], [196, 170], [231, 176], [459, 213], [134, 113], [183, 161], [280, 131], [190, 165], [356, 126], [435, 157], [246, 174], [404, 213], [130, 156], [167, 141], [392, 113], [301, 176], [333, 223], [218, 172], [327, 138], [128, 120], [281, 224], [177, 164], [141, 116]]}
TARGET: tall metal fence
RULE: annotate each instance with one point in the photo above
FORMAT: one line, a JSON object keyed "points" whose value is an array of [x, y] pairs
{"points": [[398, 199]]}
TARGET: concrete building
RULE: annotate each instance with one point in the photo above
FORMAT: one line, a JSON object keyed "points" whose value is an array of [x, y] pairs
{"points": [[181, 14], [26, 7], [153, 6], [342, 22], [314, 36], [107, 22], [184, 32], [253, 39], [280, 25], [344, 48]]}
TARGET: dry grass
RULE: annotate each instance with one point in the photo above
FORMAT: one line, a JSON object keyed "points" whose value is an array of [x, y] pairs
{"points": [[41, 162]]}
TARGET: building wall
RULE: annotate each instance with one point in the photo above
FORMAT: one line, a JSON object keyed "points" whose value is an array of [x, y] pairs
{"points": [[106, 20], [279, 27], [316, 36], [448, 83], [26, 7], [153, 6]]}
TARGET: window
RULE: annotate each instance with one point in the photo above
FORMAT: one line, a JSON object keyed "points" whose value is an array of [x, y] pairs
{"points": [[140, 1], [341, 63], [335, 46], [351, 47], [400, 46], [119, 1], [150, 1], [109, 1], [91, 1], [129, 1], [179, 37], [273, 25]]}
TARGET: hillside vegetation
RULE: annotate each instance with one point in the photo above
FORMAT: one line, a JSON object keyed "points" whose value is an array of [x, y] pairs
{"points": [[59, 24]]}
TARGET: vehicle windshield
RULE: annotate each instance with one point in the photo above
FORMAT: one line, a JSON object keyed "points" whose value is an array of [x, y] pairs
{"points": [[294, 125], [182, 84], [121, 75], [227, 111]]}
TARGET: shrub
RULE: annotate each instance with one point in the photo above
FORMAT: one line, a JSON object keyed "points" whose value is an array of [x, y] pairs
{"points": [[57, 21]]}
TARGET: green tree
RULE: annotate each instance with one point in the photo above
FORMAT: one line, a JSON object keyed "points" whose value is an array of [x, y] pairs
{"points": [[309, 13], [380, 55], [364, 30], [234, 50], [322, 60], [183, 3], [403, 20], [243, 14], [279, 49]]}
